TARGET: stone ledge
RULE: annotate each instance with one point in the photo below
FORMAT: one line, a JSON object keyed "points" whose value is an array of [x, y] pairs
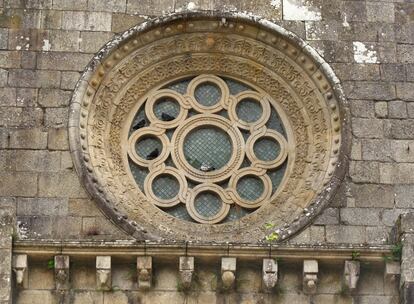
{"points": [[130, 249]]}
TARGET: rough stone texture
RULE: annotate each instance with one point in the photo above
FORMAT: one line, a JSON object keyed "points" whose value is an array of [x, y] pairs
{"points": [[44, 45]]}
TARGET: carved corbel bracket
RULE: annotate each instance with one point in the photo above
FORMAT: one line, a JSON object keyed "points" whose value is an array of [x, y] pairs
{"points": [[228, 272], [310, 276], [186, 268], [62, 272], [144, 269], [270, 269], [20, 269], [351, 275], [103, 273], [392, 271]]}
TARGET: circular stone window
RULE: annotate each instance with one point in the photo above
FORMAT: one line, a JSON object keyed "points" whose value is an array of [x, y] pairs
{"points": [[196, 127]]}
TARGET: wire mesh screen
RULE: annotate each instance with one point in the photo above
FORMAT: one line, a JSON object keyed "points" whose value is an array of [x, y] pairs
{"points": [[139, 174], [179, 211], [275, 122], [249, 110], [266, 149], [207, 204], [250, 188], [207, 94], [167, 106], [276, 176], [147, 146], [165, 186], [139, 117], [236, 87], [209, 146], [236, 212], [180, 86]]}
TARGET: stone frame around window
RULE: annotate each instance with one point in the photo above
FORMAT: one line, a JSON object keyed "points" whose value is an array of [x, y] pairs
{"points": [[179, 45]]}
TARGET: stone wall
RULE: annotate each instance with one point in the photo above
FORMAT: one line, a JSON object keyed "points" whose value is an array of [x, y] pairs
{"points": [[45, 44]]}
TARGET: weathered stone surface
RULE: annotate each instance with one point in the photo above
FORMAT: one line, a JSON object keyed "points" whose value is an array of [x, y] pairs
{"points": [[56, 117], [345, 234], [34, 79], [376, 149], [361, 171], [28, 139], [70, 4], [367, 128], [18, 184], [370, 195], [405, 91], [107, 6], [58, 139], [404, 196], [392, 72], [147, 7], [42, 206], [405, 53], [60, 185], [37, 160], [370, 90], [62, 61], [83, 207], [91, 42], [86, 21], [360, 216], [399, 129], [330, 216], [401, 173], [122, 22], [381, 109], [54, 98], [26, 97], [7, 97]]}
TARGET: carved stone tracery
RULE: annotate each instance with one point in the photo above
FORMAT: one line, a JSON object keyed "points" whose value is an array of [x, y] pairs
{"points": [[285, 77]]}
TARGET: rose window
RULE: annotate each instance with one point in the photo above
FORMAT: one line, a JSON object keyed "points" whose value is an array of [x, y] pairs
{"points": [[208, 149]]}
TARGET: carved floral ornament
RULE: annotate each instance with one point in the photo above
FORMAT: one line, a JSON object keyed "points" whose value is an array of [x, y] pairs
{"points": [[207, 127]]}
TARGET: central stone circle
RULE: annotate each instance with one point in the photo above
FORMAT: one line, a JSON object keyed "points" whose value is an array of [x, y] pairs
{"points": [[208, 148]]}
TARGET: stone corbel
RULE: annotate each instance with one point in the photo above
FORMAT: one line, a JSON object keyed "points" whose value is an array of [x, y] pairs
{"points": [[392, 271], [270, 268], [351, 275], [103, 273], [20, 270], [310, 276], [186, 269], [62, 272], [144, 269], [228, 272]]}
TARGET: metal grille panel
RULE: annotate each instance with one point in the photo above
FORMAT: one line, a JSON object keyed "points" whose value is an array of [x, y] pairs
{"points": [[207, 204], [276, 176], [236, 212], [249, 110], [179, 211], [139, 174], [168, 106], [147, 145], [207, 94], [165, 186], [138, 117], [275, 122], [250, 188], [236, 87], [266, 149], [209, 146], [180, 87]]}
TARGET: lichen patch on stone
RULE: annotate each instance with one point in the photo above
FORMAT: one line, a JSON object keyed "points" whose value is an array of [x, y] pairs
{"points": [[364, 54], [301, 10]]}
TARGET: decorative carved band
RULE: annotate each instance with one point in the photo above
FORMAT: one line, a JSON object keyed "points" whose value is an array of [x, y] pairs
{"points": [[287, 79]]}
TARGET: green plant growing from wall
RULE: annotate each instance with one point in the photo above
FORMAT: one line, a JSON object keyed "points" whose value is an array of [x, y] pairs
{"points": [[272, 236], [355, 255]]}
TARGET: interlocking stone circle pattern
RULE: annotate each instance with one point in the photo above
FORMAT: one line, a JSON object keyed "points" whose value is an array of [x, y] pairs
{"points": [[288, 80]]}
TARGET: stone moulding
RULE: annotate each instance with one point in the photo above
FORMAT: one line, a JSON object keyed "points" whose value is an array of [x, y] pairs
{"points": [[236, 45]]}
